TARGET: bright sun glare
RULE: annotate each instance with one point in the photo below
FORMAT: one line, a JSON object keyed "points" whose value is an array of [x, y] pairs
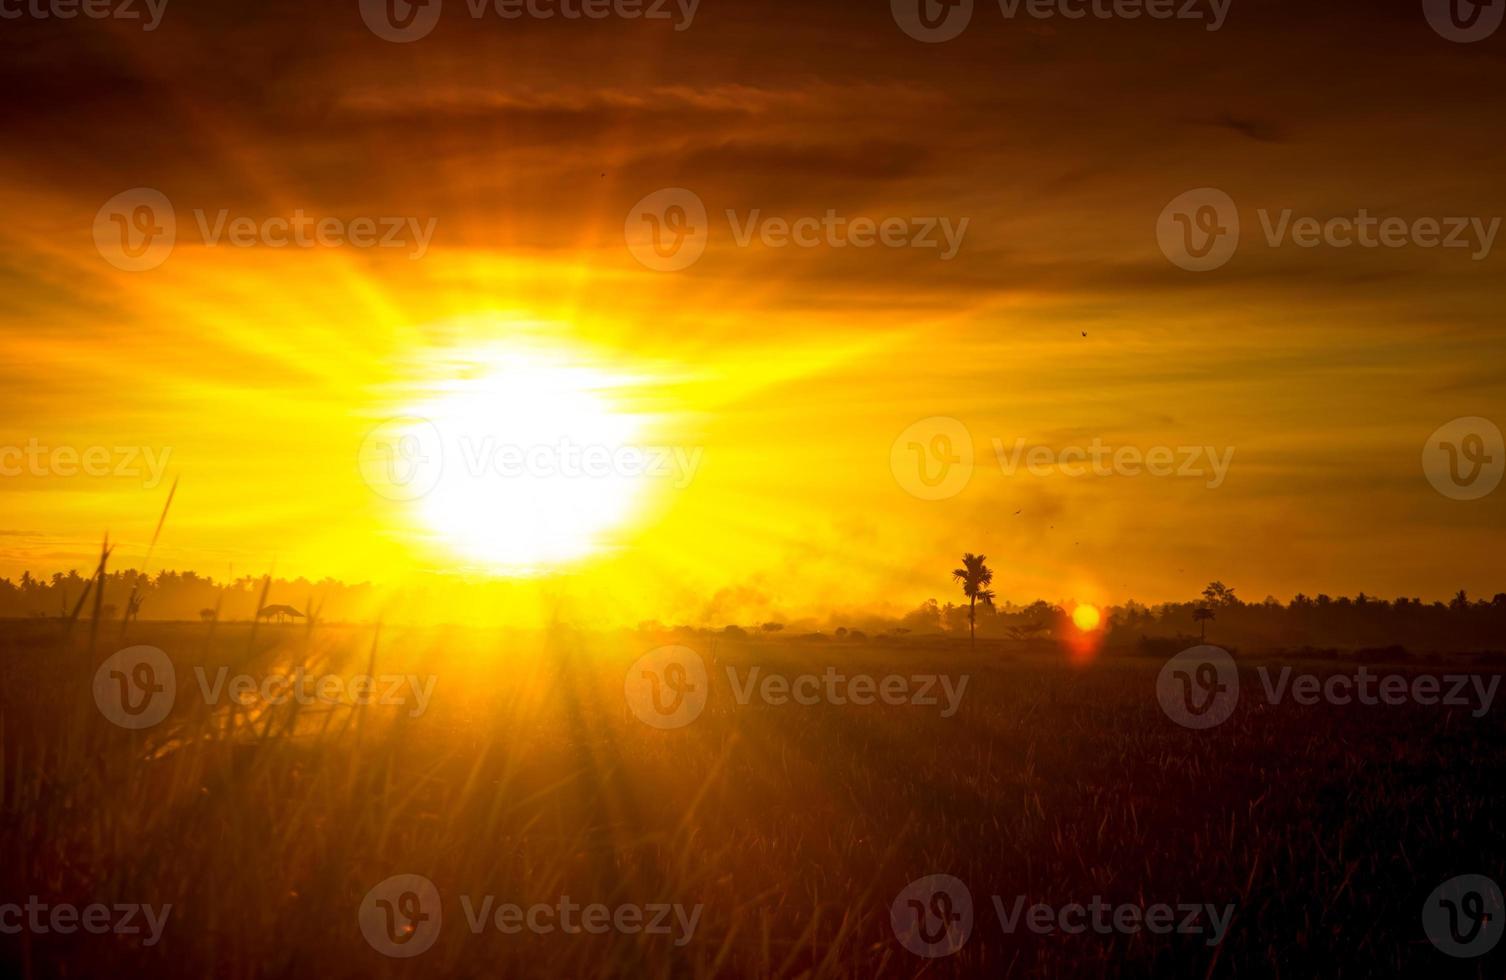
{"points": [[538, 464]]}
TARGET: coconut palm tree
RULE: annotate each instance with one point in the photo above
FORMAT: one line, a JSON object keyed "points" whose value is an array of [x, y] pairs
{"points": [[976, 577]]}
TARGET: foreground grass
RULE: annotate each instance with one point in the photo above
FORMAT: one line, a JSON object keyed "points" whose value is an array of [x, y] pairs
{"points": [[527, 778]]}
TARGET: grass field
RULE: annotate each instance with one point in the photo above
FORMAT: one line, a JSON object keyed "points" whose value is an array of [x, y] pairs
{"points": [[526, 777]]}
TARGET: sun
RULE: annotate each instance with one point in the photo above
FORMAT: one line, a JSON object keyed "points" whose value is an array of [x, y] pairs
{"points": [[1087, 618], [534, 463]]}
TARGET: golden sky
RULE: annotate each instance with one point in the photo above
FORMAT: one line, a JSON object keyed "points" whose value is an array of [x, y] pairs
{"points": [[789, 373]]}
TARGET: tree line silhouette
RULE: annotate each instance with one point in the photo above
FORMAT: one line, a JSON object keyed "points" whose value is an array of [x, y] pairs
{"points": [[1217, 616], [170, 595]]}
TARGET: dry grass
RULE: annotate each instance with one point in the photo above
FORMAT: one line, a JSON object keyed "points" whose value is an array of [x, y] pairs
{"points": [[528, 778]]}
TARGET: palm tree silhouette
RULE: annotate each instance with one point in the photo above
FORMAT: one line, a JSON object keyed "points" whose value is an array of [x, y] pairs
{"points": [[976, 577], [1201, 615]]}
